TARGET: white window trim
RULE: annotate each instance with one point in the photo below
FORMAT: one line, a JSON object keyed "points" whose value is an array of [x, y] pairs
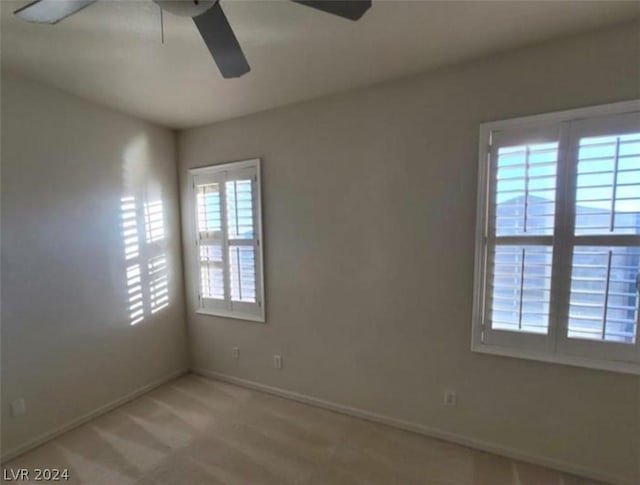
{"points": [[220, 312], [550, 354]]}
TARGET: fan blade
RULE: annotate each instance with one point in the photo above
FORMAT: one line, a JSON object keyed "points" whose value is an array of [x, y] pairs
{"points": [[51, 11], [222, 43], [349, 9]]}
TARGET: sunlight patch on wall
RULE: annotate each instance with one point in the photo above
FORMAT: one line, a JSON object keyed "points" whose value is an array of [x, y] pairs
{"points": [[154, 221], [158, 284], [134, 291], [130, 227], [147, 268]]}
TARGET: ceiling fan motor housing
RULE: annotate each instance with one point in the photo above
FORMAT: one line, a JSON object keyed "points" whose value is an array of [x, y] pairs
{"points": [[186, 8]]}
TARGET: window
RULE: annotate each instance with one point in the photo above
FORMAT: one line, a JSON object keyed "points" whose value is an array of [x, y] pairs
{"points": [[558, 238], [229, 240]]}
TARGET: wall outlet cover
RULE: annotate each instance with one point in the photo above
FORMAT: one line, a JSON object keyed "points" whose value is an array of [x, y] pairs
{"points": [[450, 398], [18, 407]]}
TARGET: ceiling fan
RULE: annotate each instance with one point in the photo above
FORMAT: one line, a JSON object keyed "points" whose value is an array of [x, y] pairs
{"points": [[208, 16]]}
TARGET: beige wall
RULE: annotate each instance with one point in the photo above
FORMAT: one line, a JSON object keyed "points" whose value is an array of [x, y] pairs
{"points": [[369, 213], [67, 346]]}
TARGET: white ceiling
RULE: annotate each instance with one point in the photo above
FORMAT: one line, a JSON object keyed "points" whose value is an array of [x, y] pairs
{"points": [[111, 51]]}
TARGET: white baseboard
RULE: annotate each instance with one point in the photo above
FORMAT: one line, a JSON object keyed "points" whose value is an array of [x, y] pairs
{"points": [[49, 435], [498, 449]]}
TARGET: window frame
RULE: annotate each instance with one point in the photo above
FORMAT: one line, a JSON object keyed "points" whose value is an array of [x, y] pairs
{"points": [[555, 347], [242, 313]]}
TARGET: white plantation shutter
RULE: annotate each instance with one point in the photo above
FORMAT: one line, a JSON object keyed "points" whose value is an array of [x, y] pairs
{"points": [[601, 301], [603, 304], [242, 248], [227, 206], [211, 240], [558, 245], [521, 218]]}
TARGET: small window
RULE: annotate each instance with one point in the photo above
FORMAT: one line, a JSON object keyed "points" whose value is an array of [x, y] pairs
{"points": [[229, 240], [558, 242]]}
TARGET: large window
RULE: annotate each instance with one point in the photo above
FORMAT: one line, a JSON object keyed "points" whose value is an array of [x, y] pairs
{"points": [[229, 241], [558, 239]]}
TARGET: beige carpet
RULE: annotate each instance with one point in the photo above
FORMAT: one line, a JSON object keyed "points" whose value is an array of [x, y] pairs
{"points": [[197, 431]]}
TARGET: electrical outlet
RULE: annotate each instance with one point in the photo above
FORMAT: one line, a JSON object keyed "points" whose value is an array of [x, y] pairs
{"points": [[277, 361], [236, 352], [18, 407], [450, 398]]}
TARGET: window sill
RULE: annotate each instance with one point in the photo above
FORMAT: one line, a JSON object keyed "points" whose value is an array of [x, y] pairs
{"points": [[235, 315], [572, 360]]}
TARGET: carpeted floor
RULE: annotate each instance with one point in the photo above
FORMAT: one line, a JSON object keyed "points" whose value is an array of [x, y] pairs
{"points": [[198, 431]]}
